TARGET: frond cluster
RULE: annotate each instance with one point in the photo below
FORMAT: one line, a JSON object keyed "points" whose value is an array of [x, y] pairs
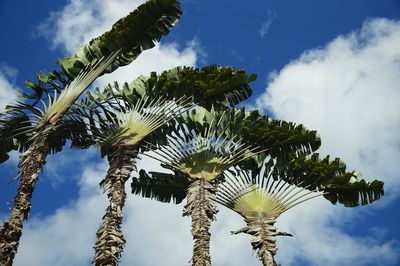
{"points": [[129, 125], [205, 154], [260, 195], [57, 107], [31, 118]]}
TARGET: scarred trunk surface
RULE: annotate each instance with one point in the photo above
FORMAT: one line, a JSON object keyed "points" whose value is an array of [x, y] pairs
{"points": [[30, 164], [264, 239], [266, 242], [202, 209], [110, 239]]}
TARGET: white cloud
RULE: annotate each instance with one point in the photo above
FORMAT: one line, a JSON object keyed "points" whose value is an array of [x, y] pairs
{"points": [[66, 237], [266, 25], [55, 170], [319, 240], [349, 92], [79, 21], [8, 93]]}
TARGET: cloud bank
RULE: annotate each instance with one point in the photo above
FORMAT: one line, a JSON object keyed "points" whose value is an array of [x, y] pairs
{"points": [[349, 92]]}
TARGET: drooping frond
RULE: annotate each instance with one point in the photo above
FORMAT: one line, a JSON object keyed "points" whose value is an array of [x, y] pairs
{"points": [[46, 84], [12, 134], [211, 86], [161, 186], [164, 187], [203, 154], [330, 176], [261, 195], [280, 139]]}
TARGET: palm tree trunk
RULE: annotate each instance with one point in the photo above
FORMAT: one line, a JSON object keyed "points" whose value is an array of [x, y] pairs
{"points": [[30, 164], [110, 239], [202, 209], [264, 239], [267, 243]]}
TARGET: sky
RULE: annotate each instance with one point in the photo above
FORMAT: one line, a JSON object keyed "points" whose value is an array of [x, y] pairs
{"points": [[331, 65]]}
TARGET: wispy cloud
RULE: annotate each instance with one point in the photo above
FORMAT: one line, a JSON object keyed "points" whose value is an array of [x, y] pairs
{"points": [[195, 45], [235, 54], [266, 25]]}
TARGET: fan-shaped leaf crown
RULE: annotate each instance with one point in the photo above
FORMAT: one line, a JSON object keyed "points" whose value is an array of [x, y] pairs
{"points": [[260, 195], [205, 153]]}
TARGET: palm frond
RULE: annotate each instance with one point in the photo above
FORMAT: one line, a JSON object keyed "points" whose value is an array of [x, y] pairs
{"points": [[160, 186], [15, 131], [211, 87], [260, 195], [112, 122], [330, 176], [57, 107], [203, 153], [279, 139], [138, 31]]}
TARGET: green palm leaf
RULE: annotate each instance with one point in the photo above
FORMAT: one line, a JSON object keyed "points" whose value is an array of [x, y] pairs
{"points": [[209, 86], [258, 193], [161, 186], [331, 177], [138, 31], [203, 154], [112, 122], [279, 139]]}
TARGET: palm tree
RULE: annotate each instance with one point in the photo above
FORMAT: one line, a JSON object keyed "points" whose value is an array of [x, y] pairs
{"points": [[262, 194], [122, 121], [198, 158], [120, 132], [33, 129]]}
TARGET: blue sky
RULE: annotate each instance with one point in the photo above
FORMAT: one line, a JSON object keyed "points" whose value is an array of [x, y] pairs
{"points": [[331, 65]]}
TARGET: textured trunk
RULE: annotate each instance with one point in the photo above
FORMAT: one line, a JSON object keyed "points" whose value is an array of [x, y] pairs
{"points": [[110, 239], [264, 239], [30, 164], [201, 207], [266, 243]]}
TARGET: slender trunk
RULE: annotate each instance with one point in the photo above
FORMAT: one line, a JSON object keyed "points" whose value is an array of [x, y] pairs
{"points": [[264, 239], [202, 209], [30, 164], [110, 239]]}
